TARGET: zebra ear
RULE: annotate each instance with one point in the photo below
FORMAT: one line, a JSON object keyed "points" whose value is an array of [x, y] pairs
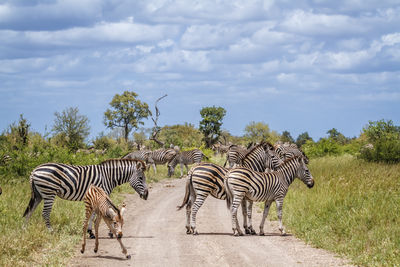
{"points": [[123, 209], [140, 165], [110, 213]]}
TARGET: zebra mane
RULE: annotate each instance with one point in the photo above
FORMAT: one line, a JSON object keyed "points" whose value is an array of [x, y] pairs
{"points": [[262, 144], [143, 164], [114, 207], [290, 159]]}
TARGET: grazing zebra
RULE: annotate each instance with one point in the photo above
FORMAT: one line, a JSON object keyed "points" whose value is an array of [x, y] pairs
{"points": [[288, 151], [185, 158], [208, 179], [71, 182], [243, 183], [98, 202], [161, 156]]}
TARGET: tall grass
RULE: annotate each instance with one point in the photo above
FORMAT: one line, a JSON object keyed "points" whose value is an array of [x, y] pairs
{"points": [[352, 210]]}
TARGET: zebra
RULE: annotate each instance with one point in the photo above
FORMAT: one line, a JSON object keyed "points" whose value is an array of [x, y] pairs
{"points": [[71, 182], [219, 148], [208, 179], [288, 151], [185, 158], [97, 201], [242, 183], [161, 156]]}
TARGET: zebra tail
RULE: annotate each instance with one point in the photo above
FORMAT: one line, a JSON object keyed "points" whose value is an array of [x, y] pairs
{"points": [[188, 192], [34, 195], [228, 194]]}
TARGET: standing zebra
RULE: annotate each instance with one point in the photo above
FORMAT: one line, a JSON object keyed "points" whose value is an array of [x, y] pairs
{"points": [[243, 183], [185, 158], [208, 179], [143, 155], [98, 202], [71, 182], [161, 156]]}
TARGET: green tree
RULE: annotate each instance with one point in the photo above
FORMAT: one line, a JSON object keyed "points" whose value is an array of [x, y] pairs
{"points": [[337, 136], [181, 135], [286, 137], [71, 127], [211, 124], [302, 139], [127, 112], [259, 131]]}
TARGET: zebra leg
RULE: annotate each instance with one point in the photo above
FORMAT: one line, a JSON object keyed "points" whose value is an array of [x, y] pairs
{"points": [[89, 229], [88, 216], [188, 212], [154, 168], [187, 169], [249, 216], [113, 232], [199, 201], [181, 169], [244, 212], [267, 205], [48, 205], [235, 223], [279, 206], [96, 233]]}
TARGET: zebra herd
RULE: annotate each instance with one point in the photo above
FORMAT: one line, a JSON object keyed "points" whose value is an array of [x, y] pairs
{"points": [[261, 172]]}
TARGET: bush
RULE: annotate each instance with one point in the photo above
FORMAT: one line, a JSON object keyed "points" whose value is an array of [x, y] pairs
{"points": [[383, 142]]}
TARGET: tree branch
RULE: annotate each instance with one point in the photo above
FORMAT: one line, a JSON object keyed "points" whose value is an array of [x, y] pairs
{"points": [[156, 129]]}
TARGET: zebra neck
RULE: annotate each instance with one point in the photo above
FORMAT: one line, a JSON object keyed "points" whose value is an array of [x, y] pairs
{"points": [[115, 176], [288, 172]]}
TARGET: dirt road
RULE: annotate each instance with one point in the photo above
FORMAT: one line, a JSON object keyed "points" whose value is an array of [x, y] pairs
{"points": [[155, 235]]}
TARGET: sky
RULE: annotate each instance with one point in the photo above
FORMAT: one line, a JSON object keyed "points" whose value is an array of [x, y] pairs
{"points": [[299, 66]]}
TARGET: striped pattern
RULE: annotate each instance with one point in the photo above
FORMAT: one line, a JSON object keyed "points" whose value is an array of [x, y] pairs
{"points": [[288, 151], [206, 179], [71, 182], [235, 155], [5, 159], [242, 183], [184, 158], [161, 156], [98, 202]]}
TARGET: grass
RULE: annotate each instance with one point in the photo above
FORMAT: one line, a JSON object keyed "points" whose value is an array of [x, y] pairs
{"points": [[353, 209]]}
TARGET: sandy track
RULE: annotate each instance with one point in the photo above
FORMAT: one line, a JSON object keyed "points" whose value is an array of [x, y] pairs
{"points": [[155, 235]]}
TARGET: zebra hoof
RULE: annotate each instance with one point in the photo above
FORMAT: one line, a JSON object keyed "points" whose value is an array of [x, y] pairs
{"points": [[252, 232], [247, 231], [95, 250], [188, 231], [110, 235], [195, 232], [128, 257], [82, 251], [261, 234]]}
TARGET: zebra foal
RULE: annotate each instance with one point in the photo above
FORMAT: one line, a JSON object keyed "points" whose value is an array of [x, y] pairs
{"points": [[98, 202], [242, 183]]}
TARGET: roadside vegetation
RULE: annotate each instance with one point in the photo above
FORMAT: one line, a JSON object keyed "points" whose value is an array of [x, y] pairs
{"points": [[352, 210]]}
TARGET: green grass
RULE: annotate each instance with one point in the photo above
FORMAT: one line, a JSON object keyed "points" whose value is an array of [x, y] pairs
{"points": [[353, 209]]}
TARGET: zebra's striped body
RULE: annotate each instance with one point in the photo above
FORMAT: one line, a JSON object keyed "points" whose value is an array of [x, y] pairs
{"points": [[98, 202], [243, 183], [208, 179], [235, 155], [71, 182], [184, 158], [161, 156]]}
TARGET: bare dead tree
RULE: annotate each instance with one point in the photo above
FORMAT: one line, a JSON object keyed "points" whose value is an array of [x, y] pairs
{"points": [[156, 128]]}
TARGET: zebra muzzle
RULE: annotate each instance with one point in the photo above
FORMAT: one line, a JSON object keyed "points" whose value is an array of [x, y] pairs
{"points": [[145, 194]]}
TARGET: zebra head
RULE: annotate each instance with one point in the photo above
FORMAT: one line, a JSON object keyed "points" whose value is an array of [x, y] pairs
{"points": [[138, 180], [304, 173], [273, 161], [114, 218], [172, 164]]}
